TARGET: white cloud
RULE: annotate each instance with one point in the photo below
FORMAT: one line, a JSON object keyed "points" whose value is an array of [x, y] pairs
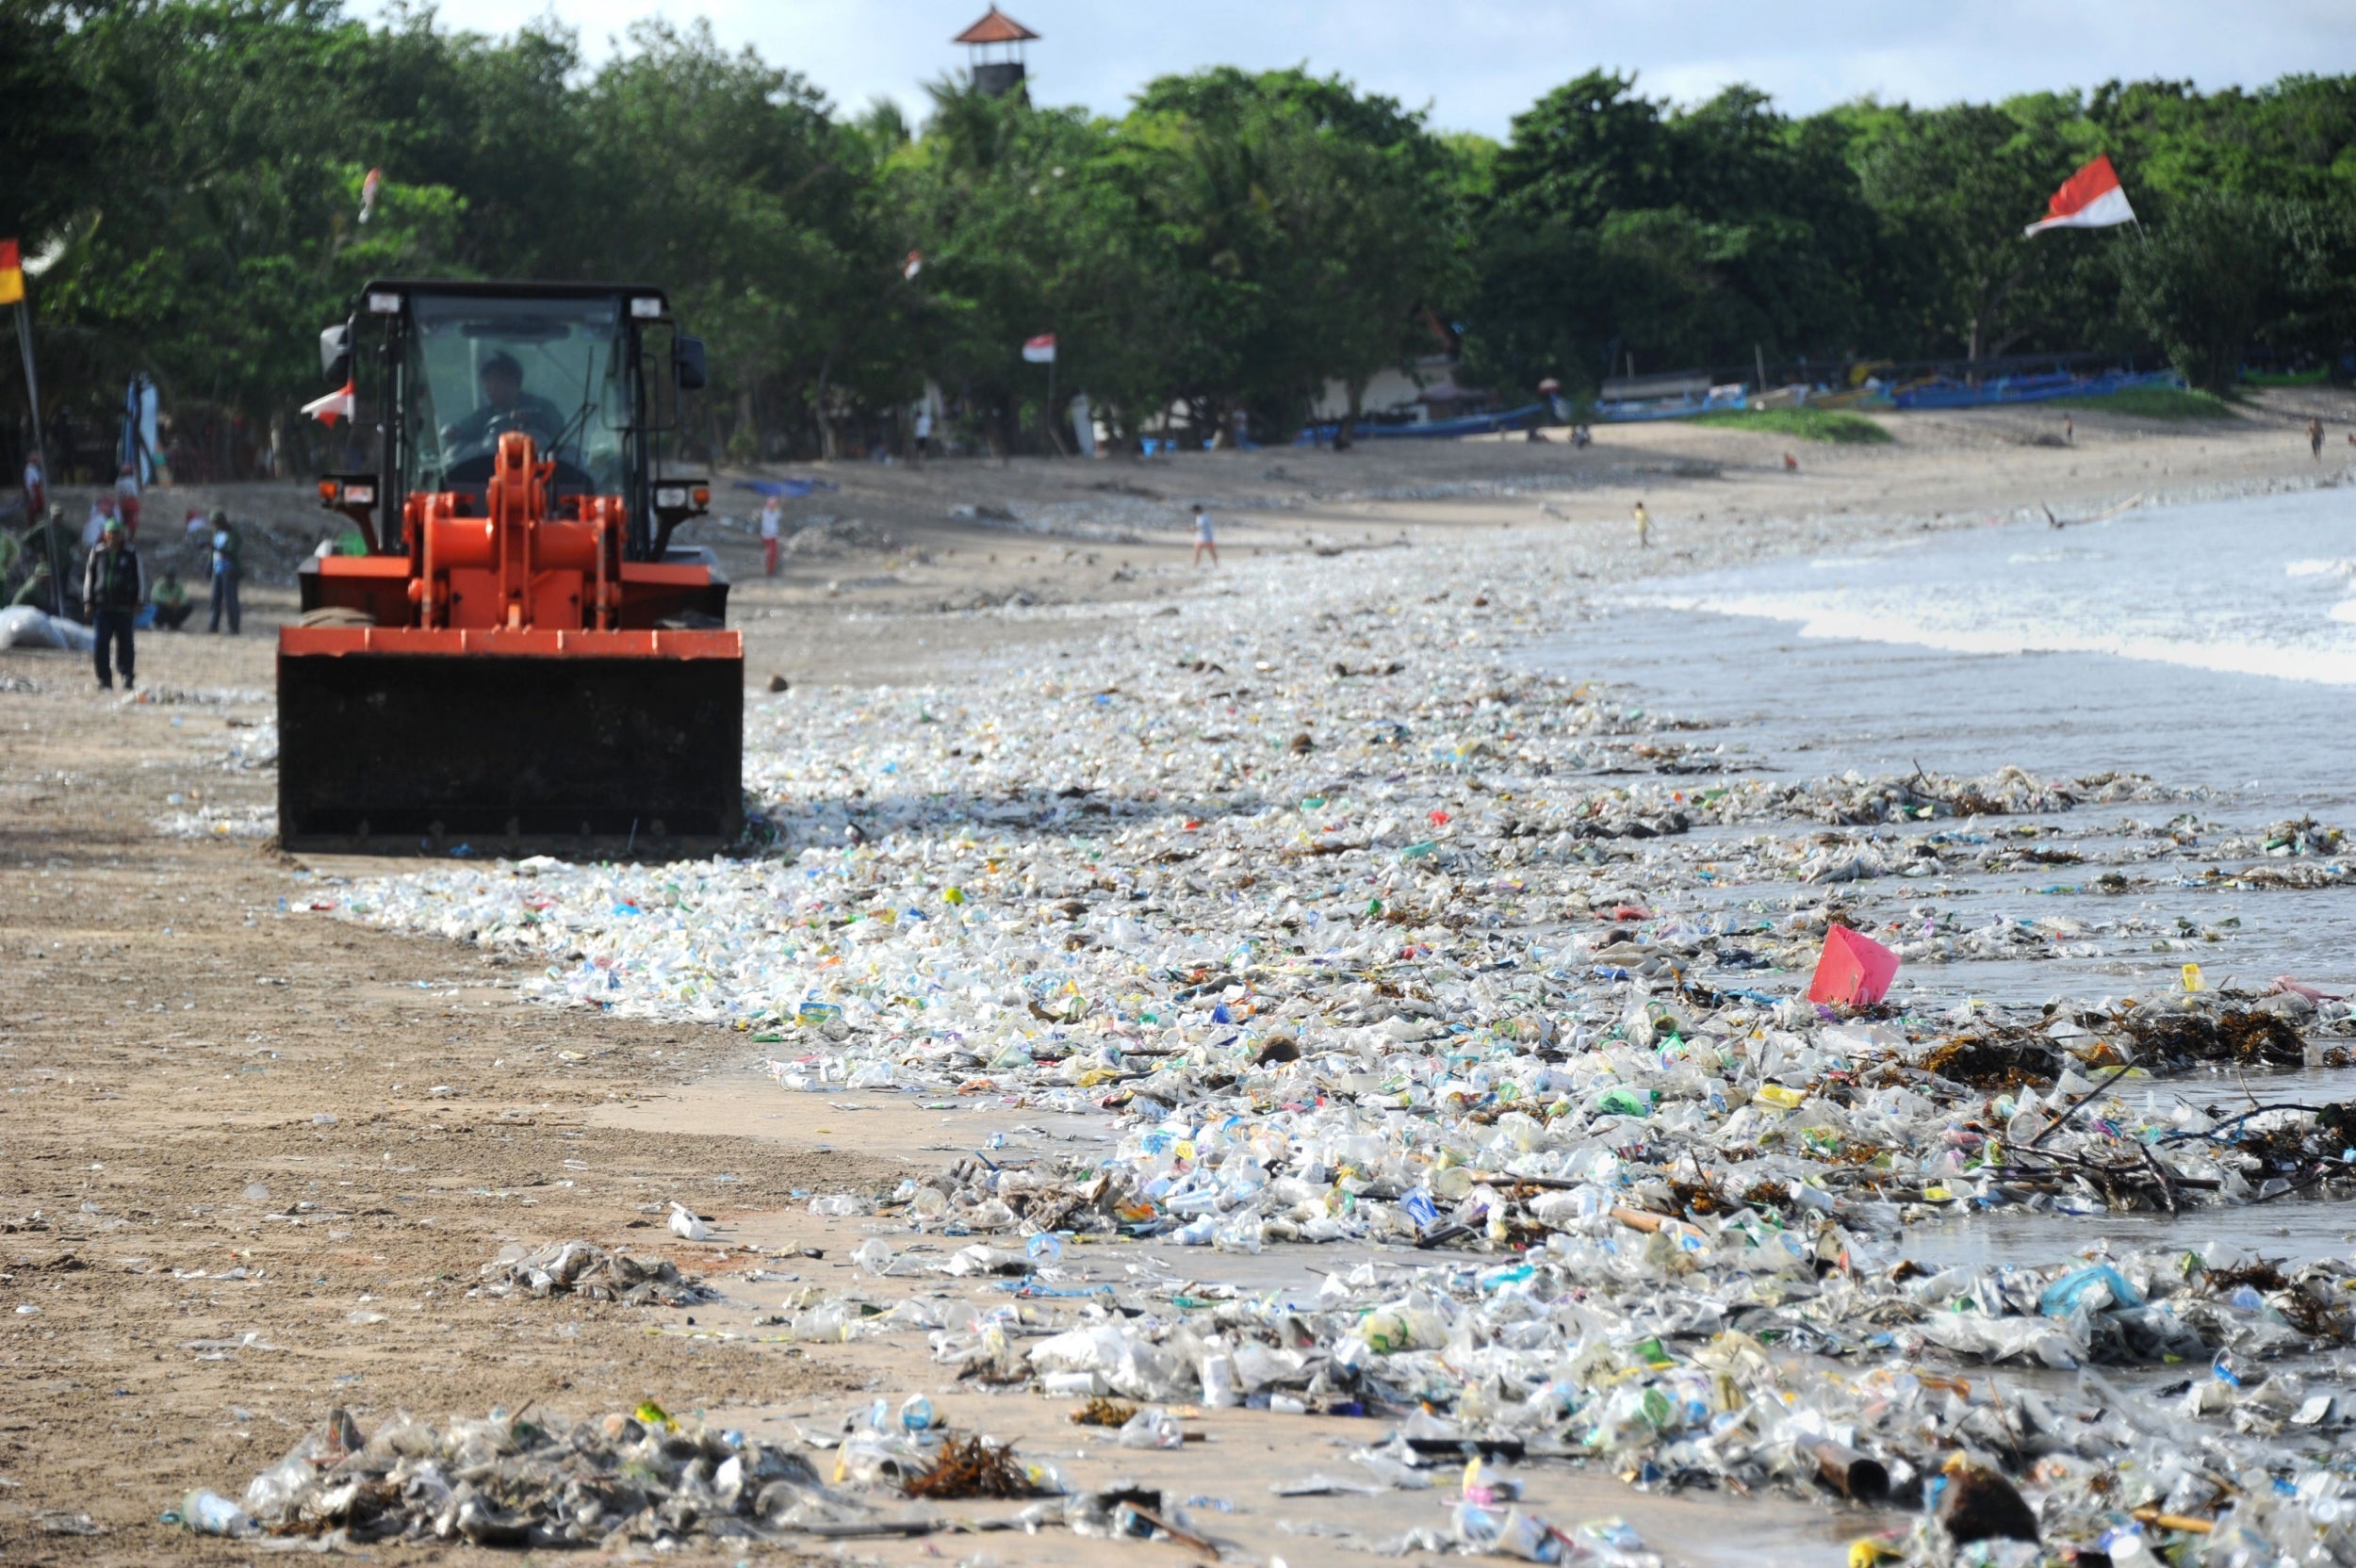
{"points": [[1477, 62]]}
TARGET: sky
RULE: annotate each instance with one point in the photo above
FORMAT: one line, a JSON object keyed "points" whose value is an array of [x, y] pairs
{"points": [[1476, 63]]}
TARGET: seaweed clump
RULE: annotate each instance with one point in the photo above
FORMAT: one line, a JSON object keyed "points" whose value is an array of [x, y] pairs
{"points": [[2176, 1041], [971, 1467]]}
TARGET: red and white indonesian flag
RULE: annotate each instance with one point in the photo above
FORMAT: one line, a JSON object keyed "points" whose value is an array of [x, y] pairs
{"points": [[1040, 349], [2090, 199], [336, 405]]}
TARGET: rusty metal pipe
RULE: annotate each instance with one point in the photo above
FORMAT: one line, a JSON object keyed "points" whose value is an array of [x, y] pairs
{"points": [[1855, 1476]]}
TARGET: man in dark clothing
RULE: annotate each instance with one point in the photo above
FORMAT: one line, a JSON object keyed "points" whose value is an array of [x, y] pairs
{"points": [[505, 406], [113, 588]]}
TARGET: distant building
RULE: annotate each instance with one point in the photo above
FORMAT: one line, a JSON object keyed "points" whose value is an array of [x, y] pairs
{"points": [[997, 30], [1422, 393]]}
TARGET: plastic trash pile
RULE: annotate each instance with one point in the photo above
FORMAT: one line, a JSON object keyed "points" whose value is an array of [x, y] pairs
{"points": [[534, 1480], [25, 626], [593, 1273], [1682, 1356], [1367, 936]]}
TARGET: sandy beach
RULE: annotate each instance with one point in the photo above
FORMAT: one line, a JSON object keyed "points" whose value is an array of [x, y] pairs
{"points": [[265, 1132]]}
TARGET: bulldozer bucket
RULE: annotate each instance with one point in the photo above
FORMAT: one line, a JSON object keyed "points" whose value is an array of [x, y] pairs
{"points": [[568, 741]]}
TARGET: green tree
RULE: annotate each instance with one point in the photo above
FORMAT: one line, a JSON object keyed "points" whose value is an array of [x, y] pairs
{"points": [[729, 180], [223, 233], [1618, 227], [2219, 272], [1313, 226], [1961, 185]]}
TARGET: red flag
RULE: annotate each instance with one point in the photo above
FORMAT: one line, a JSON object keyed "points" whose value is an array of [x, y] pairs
{"points": [[2090, 199], [1040, 349], [11, 273], [337, 405], [368, 187]]}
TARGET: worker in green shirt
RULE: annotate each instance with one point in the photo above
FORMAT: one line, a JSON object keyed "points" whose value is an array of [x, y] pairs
{"points": [[171, 600]]}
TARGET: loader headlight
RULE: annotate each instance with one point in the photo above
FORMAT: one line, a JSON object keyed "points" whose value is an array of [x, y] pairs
{"points": [[646, 307], [671, 495]]}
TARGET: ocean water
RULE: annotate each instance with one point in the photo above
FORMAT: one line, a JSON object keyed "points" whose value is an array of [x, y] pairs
{"points": [[2212, 643], [2259, 587], [2210, 646]]}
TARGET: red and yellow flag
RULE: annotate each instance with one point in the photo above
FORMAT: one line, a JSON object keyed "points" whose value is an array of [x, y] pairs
{"points": [[11, 273]]}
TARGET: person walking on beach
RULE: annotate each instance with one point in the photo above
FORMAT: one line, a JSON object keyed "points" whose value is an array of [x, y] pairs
{"points": [[1205, 539], [2070, 431], [2314, 438], [769, 510], [113, 588], [1643, 527], [925, 430], [224, 567]]}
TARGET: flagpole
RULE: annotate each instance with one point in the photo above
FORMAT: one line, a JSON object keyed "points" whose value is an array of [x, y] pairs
{"points": [[32, 400], [1051, 398]]}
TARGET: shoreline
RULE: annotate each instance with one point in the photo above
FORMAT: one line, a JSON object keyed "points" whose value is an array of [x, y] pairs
{"points": [[494, 1101]]}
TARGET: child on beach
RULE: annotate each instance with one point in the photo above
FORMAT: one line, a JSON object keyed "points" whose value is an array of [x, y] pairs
{"points": [[1203, 538]]}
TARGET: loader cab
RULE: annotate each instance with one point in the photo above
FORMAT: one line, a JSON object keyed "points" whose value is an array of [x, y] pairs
{"points": [[440, 371]]}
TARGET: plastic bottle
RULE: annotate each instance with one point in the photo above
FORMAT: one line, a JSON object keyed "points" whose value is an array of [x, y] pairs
{"points": [[1198, 1233], [1221, 1389], [1152, 1427], [208, 1512], [1386, 1332]]}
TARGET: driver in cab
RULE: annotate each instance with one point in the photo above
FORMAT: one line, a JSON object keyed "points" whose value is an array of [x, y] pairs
{"points": [[507, 406]]}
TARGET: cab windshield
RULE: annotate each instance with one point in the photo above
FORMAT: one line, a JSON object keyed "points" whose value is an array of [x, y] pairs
{"points": [[556, 370]]}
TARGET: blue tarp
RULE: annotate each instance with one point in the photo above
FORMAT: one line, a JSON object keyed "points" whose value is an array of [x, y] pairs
{"points": [[785, 489], [1478, 424], [2028, 389]]}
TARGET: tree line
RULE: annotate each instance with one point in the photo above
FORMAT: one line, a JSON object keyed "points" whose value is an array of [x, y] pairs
{"points": [[188, 174]]}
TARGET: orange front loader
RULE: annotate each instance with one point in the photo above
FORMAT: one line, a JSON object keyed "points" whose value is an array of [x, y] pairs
{"points": [[527, 662]]}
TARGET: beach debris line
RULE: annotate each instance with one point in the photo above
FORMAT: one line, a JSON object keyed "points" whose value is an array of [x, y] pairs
{"points": [[1496, 978], [594, 1273], [532, 1480]]}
